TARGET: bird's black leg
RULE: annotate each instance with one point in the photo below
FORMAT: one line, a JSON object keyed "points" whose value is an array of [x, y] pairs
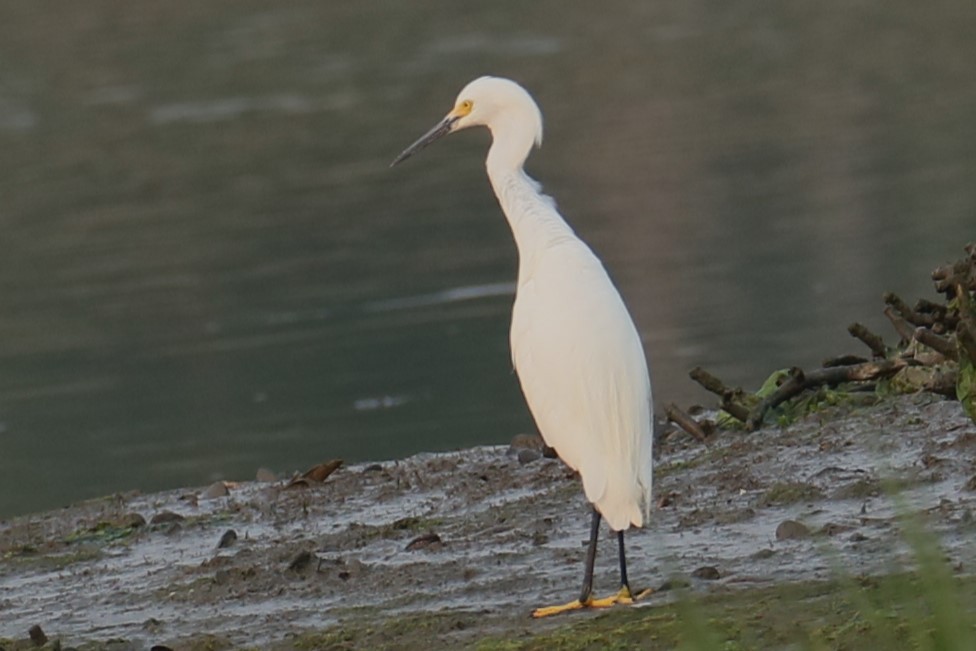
{"points": [[590, 559], [586, 600], [623, 561]]}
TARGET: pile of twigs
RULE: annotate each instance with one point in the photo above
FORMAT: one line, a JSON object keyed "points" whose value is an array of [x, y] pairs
{"points": [[936, 352]]}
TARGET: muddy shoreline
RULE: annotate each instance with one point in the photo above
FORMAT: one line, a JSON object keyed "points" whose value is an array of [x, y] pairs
{"points": [[477, 538]]}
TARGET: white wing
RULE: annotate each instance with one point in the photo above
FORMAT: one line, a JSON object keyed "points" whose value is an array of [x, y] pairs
{"points": [[584, 376]]}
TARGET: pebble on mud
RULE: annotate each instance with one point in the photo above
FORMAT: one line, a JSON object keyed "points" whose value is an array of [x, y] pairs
{"points": [[526, 442], [707, 573], [791, 530], [228, 539], [301, 561], [528, 456], [530, 442], [165, 517], [215, 490], [130, 521], [427, 541], [37, 635]]}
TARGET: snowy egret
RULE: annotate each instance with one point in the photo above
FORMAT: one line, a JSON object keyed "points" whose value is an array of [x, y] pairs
{"points": [[575, 348]]}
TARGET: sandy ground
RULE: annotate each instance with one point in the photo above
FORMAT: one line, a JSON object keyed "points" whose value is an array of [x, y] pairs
{"points": [[485, 536]]}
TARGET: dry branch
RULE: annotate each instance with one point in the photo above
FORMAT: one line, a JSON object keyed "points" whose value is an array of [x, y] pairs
{"points": [[912, 316], [683, 420], [856, 373], [948, 329], [728, 396], [871, 340], [902, 327], [939, 344]]}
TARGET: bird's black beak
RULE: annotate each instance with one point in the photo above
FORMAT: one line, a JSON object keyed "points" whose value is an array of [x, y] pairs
{"points": [[442, 128]]}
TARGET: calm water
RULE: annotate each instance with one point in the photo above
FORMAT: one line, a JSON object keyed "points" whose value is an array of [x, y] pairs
{"points": [[208, 267]]}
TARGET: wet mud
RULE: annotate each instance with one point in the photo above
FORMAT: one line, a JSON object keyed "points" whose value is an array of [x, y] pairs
{"points": [[479, 537]]}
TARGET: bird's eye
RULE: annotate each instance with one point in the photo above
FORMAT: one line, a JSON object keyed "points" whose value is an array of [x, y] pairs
{"points": [[466, 106]]}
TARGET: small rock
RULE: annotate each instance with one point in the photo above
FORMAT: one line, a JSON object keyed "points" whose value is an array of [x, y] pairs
{"points": [[971, 484], [228, 539], [530, 442], [527, 442], [373, 467], [164, 517], [764, 553], [857, 536], [706, 573], [791, 530], [427, 541], [301, 561], [528, 456], [265, 475], [37, 635], [130, 521], [216, 489]]}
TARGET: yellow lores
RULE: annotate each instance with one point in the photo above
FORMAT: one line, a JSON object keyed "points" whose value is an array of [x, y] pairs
{"points": [[462, 109], [577, 353]]}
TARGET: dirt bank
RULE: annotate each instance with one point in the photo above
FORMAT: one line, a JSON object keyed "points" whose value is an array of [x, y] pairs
{"points": [[476, 538]]}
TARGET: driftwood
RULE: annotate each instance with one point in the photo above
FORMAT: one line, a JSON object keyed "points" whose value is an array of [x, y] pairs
{"points": [[731, 398], [796, 382], [938, 343], [932, 335], [871, 340], [683, 420]]}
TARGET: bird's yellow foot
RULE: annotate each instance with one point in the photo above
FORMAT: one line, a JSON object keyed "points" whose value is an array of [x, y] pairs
{"points": [[622, 597], [548, 611]]}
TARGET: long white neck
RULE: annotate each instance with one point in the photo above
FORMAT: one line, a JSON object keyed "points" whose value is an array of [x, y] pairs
{"points": [[532, 216]]}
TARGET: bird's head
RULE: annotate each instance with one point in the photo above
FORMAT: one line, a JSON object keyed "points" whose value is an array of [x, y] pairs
{"points": [[499, 104]]}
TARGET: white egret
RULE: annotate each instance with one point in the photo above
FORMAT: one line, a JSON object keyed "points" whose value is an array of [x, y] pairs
{"points": [[575, 348]]}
